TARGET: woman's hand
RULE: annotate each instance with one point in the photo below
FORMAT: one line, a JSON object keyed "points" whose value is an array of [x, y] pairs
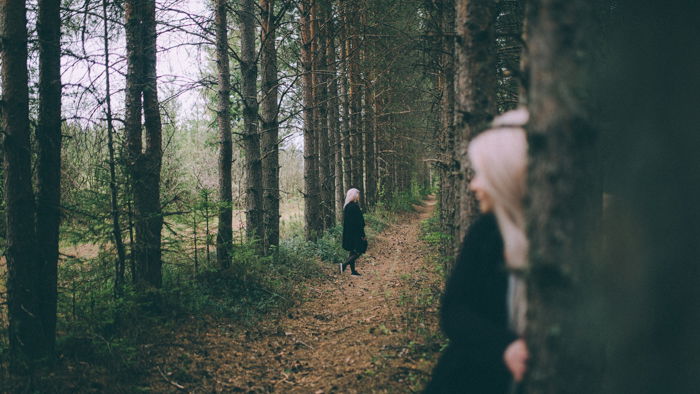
{"points": [[516, 356]]}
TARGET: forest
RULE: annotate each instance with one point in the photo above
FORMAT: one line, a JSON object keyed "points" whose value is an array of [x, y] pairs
{"points": [[175, 175]]}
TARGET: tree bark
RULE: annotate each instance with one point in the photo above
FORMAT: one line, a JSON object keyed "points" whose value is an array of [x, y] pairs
{"points": [[270, 125], [114, 191], [334, 122], [249, 72], [345, 102], [450, 180], [564, 200], [224, 235], [354, 98], [48, 133], [649, 271], [144, 163], [321, 19], [25, 332], [475, 105], [312, 222]]}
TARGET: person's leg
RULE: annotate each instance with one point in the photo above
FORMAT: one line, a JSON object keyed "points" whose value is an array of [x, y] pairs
{"points": [[351, 262], [353, 271]]}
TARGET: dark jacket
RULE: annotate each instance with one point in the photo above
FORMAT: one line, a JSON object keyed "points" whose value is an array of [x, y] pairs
{"points": [[353, 227], [474, 317]]}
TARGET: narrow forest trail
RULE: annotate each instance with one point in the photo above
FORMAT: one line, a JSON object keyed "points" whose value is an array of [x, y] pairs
{"points": [[374, 333]]}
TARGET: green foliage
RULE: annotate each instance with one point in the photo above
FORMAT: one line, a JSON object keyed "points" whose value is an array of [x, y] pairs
{"points": [[327, 248], [432, 234], [403, 202]]}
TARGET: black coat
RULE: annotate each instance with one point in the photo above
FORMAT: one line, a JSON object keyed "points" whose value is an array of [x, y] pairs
{"points": [[474, 316], [353, 227]]}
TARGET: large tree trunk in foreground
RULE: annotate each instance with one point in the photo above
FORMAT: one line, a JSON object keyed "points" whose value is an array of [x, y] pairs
{"points": [[270, 125], [224, 235], [25, 326], [48, 134], [475, 103], [564, 203], [650, 271]]}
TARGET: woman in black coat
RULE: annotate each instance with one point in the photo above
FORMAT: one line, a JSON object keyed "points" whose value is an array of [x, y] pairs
{"points": [[483, 307], [354, 238]]}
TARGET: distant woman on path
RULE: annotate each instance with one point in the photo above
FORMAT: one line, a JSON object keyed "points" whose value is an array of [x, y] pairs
{"points": [[483, 308], [354, 238]]}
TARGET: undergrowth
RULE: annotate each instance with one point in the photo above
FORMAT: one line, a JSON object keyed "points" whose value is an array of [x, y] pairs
{"points": [[101, 337]]}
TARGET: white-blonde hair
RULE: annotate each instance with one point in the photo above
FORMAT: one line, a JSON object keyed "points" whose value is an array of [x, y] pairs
{"points": [[350, 196], [499, 155]]}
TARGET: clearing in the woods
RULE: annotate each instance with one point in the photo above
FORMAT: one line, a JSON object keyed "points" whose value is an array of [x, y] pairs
{"points": [[374, 333]]}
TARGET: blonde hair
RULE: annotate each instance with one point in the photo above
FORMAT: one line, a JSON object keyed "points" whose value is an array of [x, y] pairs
{"points": [[350, 196], [499, 155]]}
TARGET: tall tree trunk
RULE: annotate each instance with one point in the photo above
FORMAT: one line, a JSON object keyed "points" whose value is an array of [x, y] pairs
{"points": [[370, 182], [224, 235], [370, 177], [475, 105], [26, 332], [354, 97], [334, 122], [153, 153], [449, 190], [270, 125], [345, 101], [249, 72], [144, 165], [312, 222], [48, 134], [321, 98], [113, 189], [564, 200]]}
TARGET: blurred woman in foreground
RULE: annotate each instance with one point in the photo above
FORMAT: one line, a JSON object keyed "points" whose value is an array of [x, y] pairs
{"points": [[483, 308]]}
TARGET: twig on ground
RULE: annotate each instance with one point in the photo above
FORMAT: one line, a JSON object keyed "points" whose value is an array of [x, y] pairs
{"points": [[174, 383]]}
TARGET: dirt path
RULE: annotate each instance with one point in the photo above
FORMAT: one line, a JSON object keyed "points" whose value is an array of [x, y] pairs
{"points": [[374, 333]]}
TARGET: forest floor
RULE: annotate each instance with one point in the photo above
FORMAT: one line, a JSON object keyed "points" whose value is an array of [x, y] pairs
{"points": [[374, 333]]}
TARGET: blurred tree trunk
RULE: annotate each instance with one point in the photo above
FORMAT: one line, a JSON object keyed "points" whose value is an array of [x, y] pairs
{"points": [[120, 266], [312, 221], [144, 164], [25, 326], [224, 235], [650, 271], [475, 103], [249, 73], [270, 125], [48, 137], [564, 203]]}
